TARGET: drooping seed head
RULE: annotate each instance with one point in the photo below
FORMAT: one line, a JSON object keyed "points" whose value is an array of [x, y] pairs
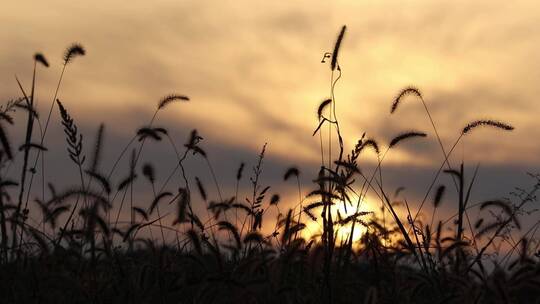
{"points": [[406, 135], [171, 98], [405, 92], [38, 57], [73, 51], [290, 172], [322, 106], [487, 123], [368, 143]]}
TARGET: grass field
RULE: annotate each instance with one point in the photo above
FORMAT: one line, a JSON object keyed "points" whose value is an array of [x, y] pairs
{"points": [[92, 244]]}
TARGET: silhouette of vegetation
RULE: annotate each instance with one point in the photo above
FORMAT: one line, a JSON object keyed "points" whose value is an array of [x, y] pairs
{"points": [[71, 245]]}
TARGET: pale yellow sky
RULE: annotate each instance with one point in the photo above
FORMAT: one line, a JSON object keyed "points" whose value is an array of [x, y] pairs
{"points": [[253, 71]]}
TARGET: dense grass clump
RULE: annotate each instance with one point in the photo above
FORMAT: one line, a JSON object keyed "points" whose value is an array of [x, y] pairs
{"points": [[72, 245]]}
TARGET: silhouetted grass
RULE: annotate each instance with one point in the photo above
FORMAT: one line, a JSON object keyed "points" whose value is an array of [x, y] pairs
{"points": [[65, 252]]}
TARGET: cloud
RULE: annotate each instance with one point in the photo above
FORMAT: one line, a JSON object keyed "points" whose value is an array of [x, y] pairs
{"points": [[253, 72]]}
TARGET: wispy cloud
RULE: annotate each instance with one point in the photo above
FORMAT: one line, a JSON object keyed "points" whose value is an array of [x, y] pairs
{"points": [[253, 71]]}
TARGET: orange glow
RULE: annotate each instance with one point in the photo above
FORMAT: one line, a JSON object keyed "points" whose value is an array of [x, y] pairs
{"points": [[314, 229]]}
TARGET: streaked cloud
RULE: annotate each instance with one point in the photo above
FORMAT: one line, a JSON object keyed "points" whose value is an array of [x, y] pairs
{"points": [[253, 72]]}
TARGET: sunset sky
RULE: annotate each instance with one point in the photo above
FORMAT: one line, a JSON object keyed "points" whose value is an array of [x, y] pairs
{"points": [[254, 74]]}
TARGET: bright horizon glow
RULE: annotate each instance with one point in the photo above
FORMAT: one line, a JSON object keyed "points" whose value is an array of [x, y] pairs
{"points": [[314, 229]]}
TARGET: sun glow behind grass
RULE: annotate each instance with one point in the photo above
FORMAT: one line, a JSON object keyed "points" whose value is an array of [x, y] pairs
{"points": [[313, 229]]}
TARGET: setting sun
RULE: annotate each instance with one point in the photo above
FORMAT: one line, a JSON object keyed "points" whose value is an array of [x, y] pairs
{"points": [[202, 152], [343, 231]]}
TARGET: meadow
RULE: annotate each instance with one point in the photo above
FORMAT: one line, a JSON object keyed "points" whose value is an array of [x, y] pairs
{"points": [[64, 244]]}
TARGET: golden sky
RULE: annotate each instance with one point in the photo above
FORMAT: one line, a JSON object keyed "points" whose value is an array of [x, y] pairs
{"points": [[257, 64], [253, 72]]}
